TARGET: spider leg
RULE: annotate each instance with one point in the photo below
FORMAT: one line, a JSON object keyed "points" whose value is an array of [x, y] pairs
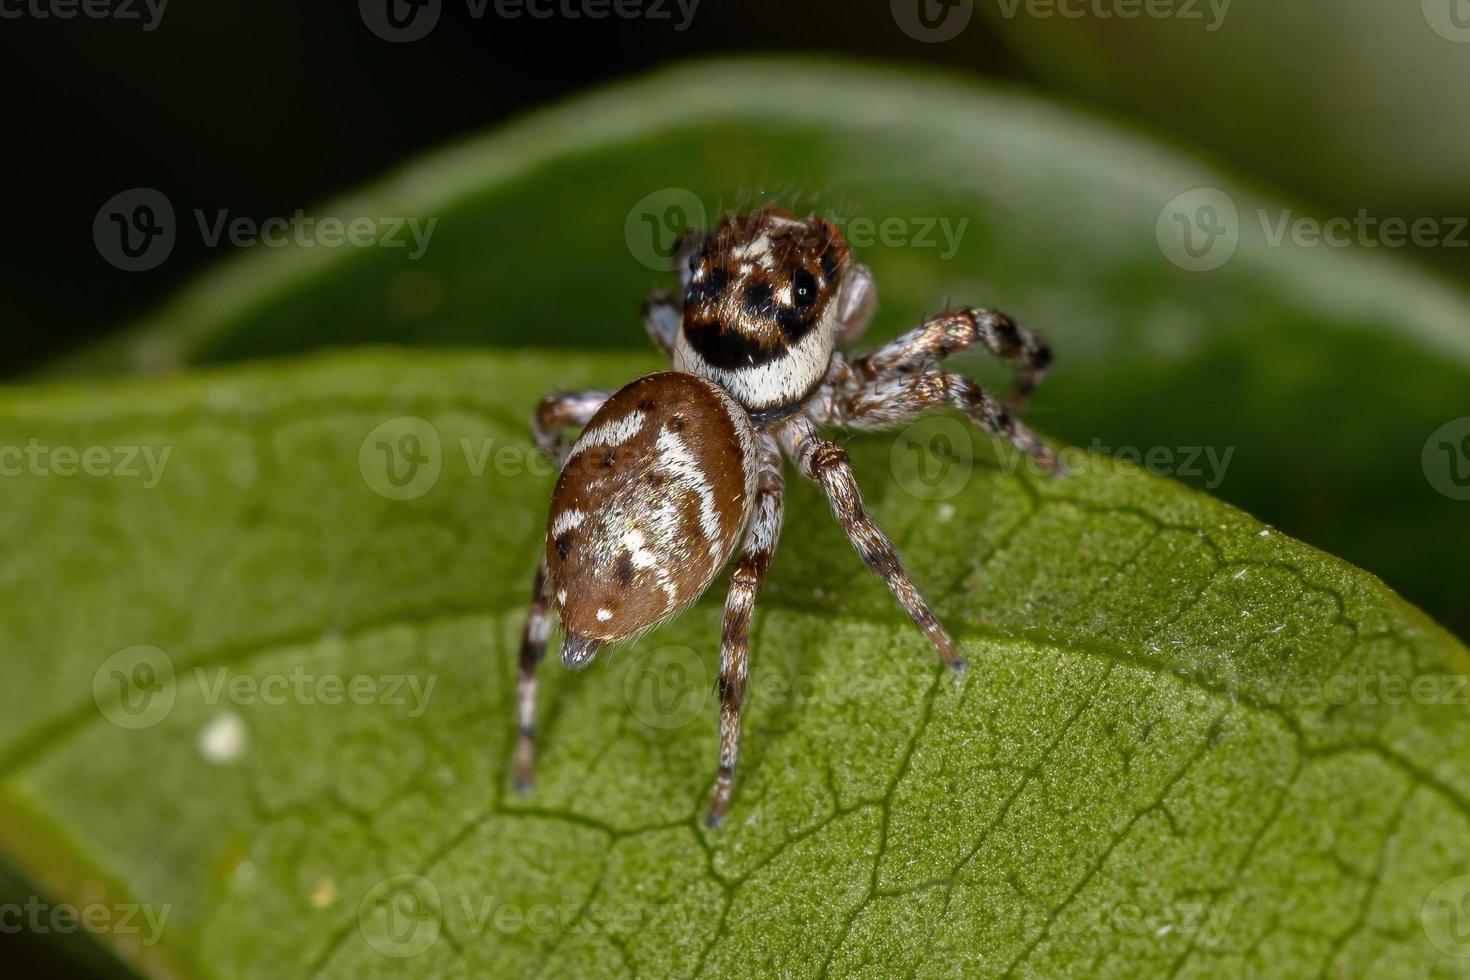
{"points": [[857, 298], [826, 464], [552, 415], [745, 585], [563, 410], [533, 645], [662, 315], [954, 330], [894, 400]]}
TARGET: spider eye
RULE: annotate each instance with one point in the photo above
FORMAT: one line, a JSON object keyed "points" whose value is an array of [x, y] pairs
{"points": [[709, 288], [757, 299], [803, 289]]}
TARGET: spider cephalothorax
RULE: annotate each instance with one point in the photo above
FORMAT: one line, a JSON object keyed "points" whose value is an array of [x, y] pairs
{"points": [[760, 305], [677, 471]]}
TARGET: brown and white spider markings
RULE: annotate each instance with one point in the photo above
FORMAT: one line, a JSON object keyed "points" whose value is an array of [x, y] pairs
{"points": [[674, 470]]}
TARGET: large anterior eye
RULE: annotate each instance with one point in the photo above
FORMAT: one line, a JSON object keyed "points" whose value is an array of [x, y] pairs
{"points": [[803, 289], [709, 288], [758, 299]]}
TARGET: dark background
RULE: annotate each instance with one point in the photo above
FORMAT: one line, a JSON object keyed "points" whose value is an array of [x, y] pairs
{"points": [[264, 107]]}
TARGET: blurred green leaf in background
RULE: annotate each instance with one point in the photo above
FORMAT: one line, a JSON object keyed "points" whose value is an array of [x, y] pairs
{"points": [[1355, 103]]}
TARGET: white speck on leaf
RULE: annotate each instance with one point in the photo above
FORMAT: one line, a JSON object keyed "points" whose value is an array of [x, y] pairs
{"points": [[325, 893], [222, 739]]}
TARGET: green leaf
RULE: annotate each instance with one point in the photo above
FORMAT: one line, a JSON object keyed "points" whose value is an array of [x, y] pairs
{"points": [[1185, 741], [1315, 376]]}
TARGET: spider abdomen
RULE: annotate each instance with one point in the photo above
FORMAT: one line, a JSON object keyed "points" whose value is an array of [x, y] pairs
{"points": [[649, 505]]}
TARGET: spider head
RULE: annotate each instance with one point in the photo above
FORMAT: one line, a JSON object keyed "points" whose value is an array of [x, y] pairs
{"points": [[760, 307]]}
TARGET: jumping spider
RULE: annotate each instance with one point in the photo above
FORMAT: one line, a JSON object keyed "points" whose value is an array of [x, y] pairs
{"points": [[672, 470]]}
